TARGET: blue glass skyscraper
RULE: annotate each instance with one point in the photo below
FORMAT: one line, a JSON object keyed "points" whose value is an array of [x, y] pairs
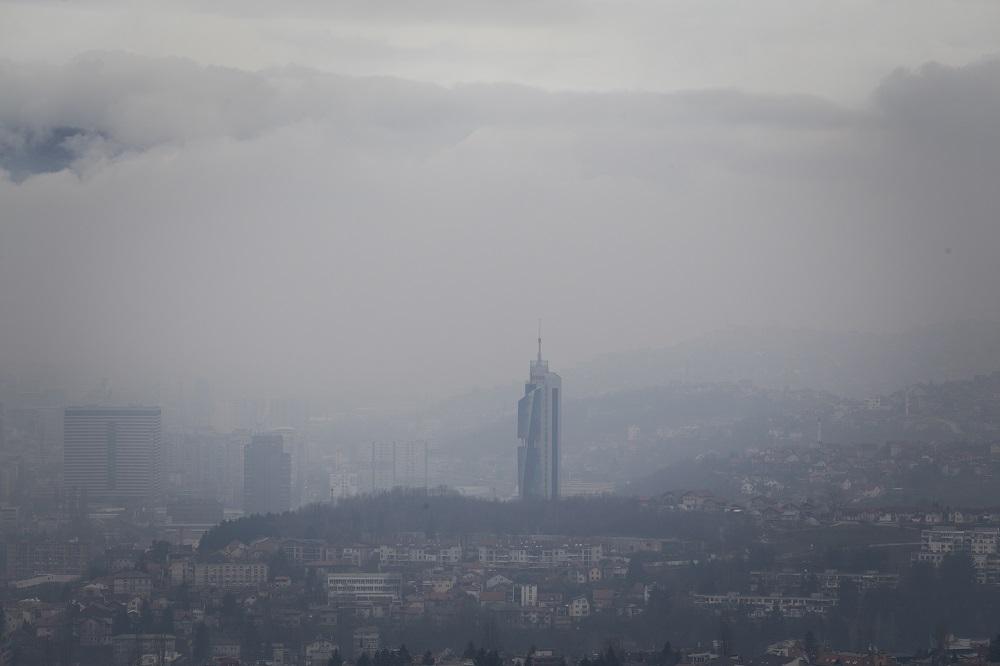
{"points": [[538, 428]]}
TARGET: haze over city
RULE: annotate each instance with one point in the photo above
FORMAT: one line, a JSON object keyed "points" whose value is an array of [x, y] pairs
{"points": [[358, 202], [499, 333]]}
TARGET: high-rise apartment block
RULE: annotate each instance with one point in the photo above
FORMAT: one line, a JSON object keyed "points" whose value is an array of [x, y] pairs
{"points": [[113, 452], [399, 465], [267, 475]]}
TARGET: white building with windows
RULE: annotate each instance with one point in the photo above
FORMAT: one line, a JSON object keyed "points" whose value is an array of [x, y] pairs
{"points": [[230, 574], [526, 594], [364, 586]]}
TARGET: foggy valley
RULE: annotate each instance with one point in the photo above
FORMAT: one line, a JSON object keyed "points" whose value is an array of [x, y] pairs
{"points": [[479, 333]]}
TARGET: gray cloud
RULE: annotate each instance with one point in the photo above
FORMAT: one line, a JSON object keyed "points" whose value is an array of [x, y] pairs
{"points": [[779, 46], [394, 11], [940, 97], [363, 237]]}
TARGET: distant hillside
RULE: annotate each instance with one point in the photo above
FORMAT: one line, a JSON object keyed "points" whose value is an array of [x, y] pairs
{"points": [[852, 365], [957, 413]]}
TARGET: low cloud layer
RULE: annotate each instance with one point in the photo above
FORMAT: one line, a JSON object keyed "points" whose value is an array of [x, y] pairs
{"points": [[376, 237], [775, 46]]}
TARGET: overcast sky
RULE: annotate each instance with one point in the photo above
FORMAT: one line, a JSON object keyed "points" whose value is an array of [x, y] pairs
{"points": [[378, 199]]}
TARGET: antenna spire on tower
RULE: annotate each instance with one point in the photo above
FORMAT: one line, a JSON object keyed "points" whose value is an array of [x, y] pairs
{"points": [[539, 340]]}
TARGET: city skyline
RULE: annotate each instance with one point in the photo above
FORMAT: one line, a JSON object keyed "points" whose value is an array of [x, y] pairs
{"points": [[268, 275]]}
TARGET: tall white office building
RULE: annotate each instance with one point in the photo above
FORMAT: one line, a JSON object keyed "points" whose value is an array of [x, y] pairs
{"points": [[113, 452]]}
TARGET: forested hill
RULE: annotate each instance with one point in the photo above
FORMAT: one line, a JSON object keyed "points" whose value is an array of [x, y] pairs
{"points": [[449, 515]]}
